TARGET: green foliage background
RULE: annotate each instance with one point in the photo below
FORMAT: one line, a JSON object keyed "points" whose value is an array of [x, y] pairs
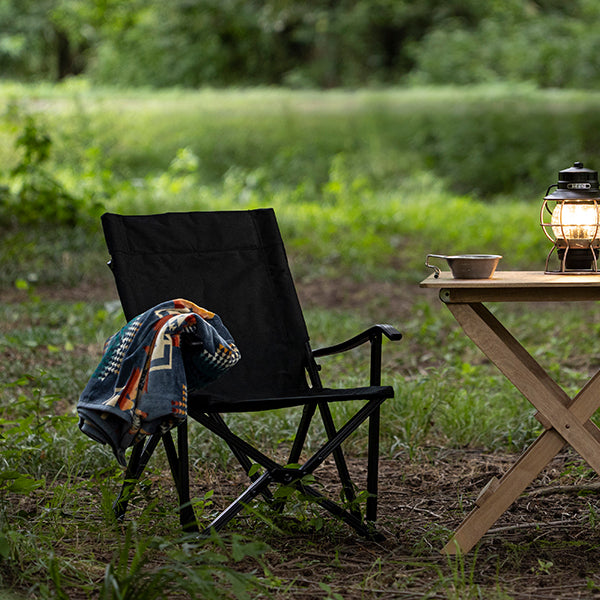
{"points": [[390, 167], [388, 174], [315, 44]]}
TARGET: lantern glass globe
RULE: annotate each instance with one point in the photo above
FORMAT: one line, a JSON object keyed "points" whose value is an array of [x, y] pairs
{"points": [[572, 221]]}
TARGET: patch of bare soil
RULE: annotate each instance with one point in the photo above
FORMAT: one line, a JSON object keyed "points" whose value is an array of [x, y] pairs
{"points": [[87, 291], [378, 297], [388, 300], [546, 546]]}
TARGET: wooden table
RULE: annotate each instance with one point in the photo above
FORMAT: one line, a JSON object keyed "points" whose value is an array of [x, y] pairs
{"points": [[566, 420]]}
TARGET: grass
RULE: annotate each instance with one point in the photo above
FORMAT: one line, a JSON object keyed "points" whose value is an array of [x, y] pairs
{"points": [[445, 396], [352, 211]]}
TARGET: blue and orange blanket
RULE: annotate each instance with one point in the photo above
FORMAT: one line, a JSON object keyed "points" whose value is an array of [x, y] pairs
{"points": [[141, 385]]}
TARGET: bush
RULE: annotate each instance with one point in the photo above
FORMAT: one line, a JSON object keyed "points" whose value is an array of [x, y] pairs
{"points": [[482, 141], [33, 193], [549, 49]]}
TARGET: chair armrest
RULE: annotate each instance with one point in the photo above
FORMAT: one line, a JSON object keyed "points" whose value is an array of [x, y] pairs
{"points": [[369, 335]]}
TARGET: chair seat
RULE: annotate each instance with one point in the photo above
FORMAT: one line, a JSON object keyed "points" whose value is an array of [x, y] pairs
{"points": [[215, 404]]}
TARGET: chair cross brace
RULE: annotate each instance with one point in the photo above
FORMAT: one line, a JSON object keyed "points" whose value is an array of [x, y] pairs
{"points": [[293, 476]]}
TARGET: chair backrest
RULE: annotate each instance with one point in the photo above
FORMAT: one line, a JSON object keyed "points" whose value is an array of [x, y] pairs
{"points": [[230, 262]]}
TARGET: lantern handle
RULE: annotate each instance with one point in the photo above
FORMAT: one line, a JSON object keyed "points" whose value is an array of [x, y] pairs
{"points": [[554, 185]]}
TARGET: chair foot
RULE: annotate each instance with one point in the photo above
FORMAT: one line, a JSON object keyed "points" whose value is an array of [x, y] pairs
{"points": [[119, 509], [122, 502], [365, 529], [373, 534], [187, 518]]}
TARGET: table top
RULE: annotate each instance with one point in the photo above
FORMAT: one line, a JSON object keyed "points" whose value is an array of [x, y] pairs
{"points": [[513, 279], [517, 286]]}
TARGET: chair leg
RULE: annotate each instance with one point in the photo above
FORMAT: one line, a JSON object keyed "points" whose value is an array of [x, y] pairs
{"points": [[367, 530], [257, 487], [308, 413], [279, 474], [179, 463], [374, 426], [373, 465], [370, 409], [340, 461], [138, 460]]}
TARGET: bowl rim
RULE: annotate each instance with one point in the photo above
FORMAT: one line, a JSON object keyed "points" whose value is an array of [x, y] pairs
{"points": [[473, 256]]}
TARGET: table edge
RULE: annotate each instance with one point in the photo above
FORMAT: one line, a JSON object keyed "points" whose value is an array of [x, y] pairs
{"points": [[513, 280]]}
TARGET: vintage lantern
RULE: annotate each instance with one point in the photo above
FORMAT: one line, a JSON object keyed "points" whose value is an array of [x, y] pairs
{"points": [[570, 218]]}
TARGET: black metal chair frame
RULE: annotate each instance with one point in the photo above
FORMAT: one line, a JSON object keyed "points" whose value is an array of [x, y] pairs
{"points": [[290, 474]]}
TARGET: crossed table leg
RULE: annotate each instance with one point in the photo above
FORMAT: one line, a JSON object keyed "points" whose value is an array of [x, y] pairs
{"points": [[566, 420]]}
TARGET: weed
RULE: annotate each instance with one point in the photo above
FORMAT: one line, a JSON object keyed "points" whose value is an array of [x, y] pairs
{"points": [[462, 579], [593, 515], [543, 567], [329, 593]]}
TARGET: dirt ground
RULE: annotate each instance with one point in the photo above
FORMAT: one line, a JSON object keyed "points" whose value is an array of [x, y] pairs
{"points": [[546, 546]]}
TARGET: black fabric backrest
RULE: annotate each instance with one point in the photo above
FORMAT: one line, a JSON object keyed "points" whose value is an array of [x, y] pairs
{"points": [[230, 262]]}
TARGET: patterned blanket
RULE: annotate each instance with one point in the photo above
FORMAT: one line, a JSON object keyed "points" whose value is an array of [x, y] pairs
{"points": [[140, 387]]}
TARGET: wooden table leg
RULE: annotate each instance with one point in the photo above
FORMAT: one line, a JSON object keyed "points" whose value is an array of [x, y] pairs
{"points": [[554, 405]]}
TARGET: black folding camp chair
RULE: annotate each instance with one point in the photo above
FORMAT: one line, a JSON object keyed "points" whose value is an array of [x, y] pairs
{"points": [[234, 264]]}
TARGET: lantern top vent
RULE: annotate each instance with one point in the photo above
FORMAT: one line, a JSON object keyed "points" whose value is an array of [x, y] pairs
{"points": [[574, 183]]}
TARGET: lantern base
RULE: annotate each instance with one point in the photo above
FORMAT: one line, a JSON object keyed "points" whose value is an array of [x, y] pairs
{"points": [[574, 261]]}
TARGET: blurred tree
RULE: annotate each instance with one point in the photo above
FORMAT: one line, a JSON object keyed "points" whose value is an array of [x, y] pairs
{"points": [[38, 40], [315, 43], [25, 33], [321, 43], [548, 42]]}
